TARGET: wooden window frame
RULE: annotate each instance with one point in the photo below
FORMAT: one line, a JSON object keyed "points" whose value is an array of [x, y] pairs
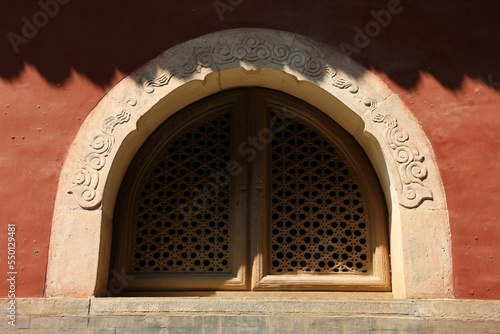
{"points": [[379, 277], [123, 237], [250, 185]]}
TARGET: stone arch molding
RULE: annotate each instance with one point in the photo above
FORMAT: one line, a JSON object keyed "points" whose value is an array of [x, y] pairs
{"points": [[315, 73]]}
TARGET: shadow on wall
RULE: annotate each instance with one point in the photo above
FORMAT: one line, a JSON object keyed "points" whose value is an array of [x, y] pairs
{"points": [[402, 38]]}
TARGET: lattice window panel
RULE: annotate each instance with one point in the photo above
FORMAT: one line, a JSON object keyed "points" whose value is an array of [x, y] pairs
{"points": [[181, 225], [318, 222]]}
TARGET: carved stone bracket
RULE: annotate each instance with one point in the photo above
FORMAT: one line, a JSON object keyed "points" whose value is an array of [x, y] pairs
{"points": [[412, 170], [85, 180]]}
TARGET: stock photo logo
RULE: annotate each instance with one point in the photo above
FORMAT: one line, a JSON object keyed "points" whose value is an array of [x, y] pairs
{"points": [[381, 19], [247, 148], [221, 7], [117, 283], [30, 28]]}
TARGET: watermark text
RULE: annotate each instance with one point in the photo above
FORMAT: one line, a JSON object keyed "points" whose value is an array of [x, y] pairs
{"points": [[11, 274], [381, 19], [30, 28], [225, 6]]}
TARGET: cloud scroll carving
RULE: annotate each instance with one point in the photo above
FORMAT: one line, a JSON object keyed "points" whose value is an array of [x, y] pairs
{"points": [[254, 52]]}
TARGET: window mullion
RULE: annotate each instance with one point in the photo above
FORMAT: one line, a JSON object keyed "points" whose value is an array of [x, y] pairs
{"points": [[259, 141], [238, 170]]}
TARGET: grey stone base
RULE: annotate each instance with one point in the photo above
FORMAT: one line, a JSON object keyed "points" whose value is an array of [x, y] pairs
{"points": [[251, 315]]}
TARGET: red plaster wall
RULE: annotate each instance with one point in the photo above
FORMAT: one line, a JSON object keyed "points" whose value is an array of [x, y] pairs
{"points": [[442, 60], [463, 128]]}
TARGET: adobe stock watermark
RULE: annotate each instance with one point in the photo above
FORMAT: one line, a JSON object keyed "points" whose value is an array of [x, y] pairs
{"points": [[225, 6], [372, 29], [248, 149], [30, 28], [490, 80], [117, 283], [11, 274]]}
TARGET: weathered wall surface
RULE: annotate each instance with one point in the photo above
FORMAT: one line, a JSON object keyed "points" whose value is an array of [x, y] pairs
{"points": [[442, 60]]}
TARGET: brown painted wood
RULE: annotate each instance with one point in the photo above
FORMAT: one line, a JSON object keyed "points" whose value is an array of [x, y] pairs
{"points": [[250, 201]]}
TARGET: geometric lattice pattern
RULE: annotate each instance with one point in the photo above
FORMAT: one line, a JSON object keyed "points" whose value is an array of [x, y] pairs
{"points": [[317, 212], [182, 215]]}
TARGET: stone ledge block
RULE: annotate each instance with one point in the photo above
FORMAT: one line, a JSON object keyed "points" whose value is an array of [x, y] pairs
{"points": [[146, 331], [244, 324], [128, 321], [50, 306], [463, 309], [176, 305], [61, 331], [59, 322], [437, 325], [22, 322], [56, 306]]}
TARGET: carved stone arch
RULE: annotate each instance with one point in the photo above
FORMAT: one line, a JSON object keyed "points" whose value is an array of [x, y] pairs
{"points": [[325, 78]]}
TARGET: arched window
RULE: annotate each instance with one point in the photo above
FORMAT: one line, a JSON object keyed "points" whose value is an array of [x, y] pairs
{"points": [[251, 189]]}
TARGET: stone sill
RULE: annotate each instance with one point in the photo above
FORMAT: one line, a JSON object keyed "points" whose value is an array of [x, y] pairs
{"points": [[267, 314], [451, 308]]}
